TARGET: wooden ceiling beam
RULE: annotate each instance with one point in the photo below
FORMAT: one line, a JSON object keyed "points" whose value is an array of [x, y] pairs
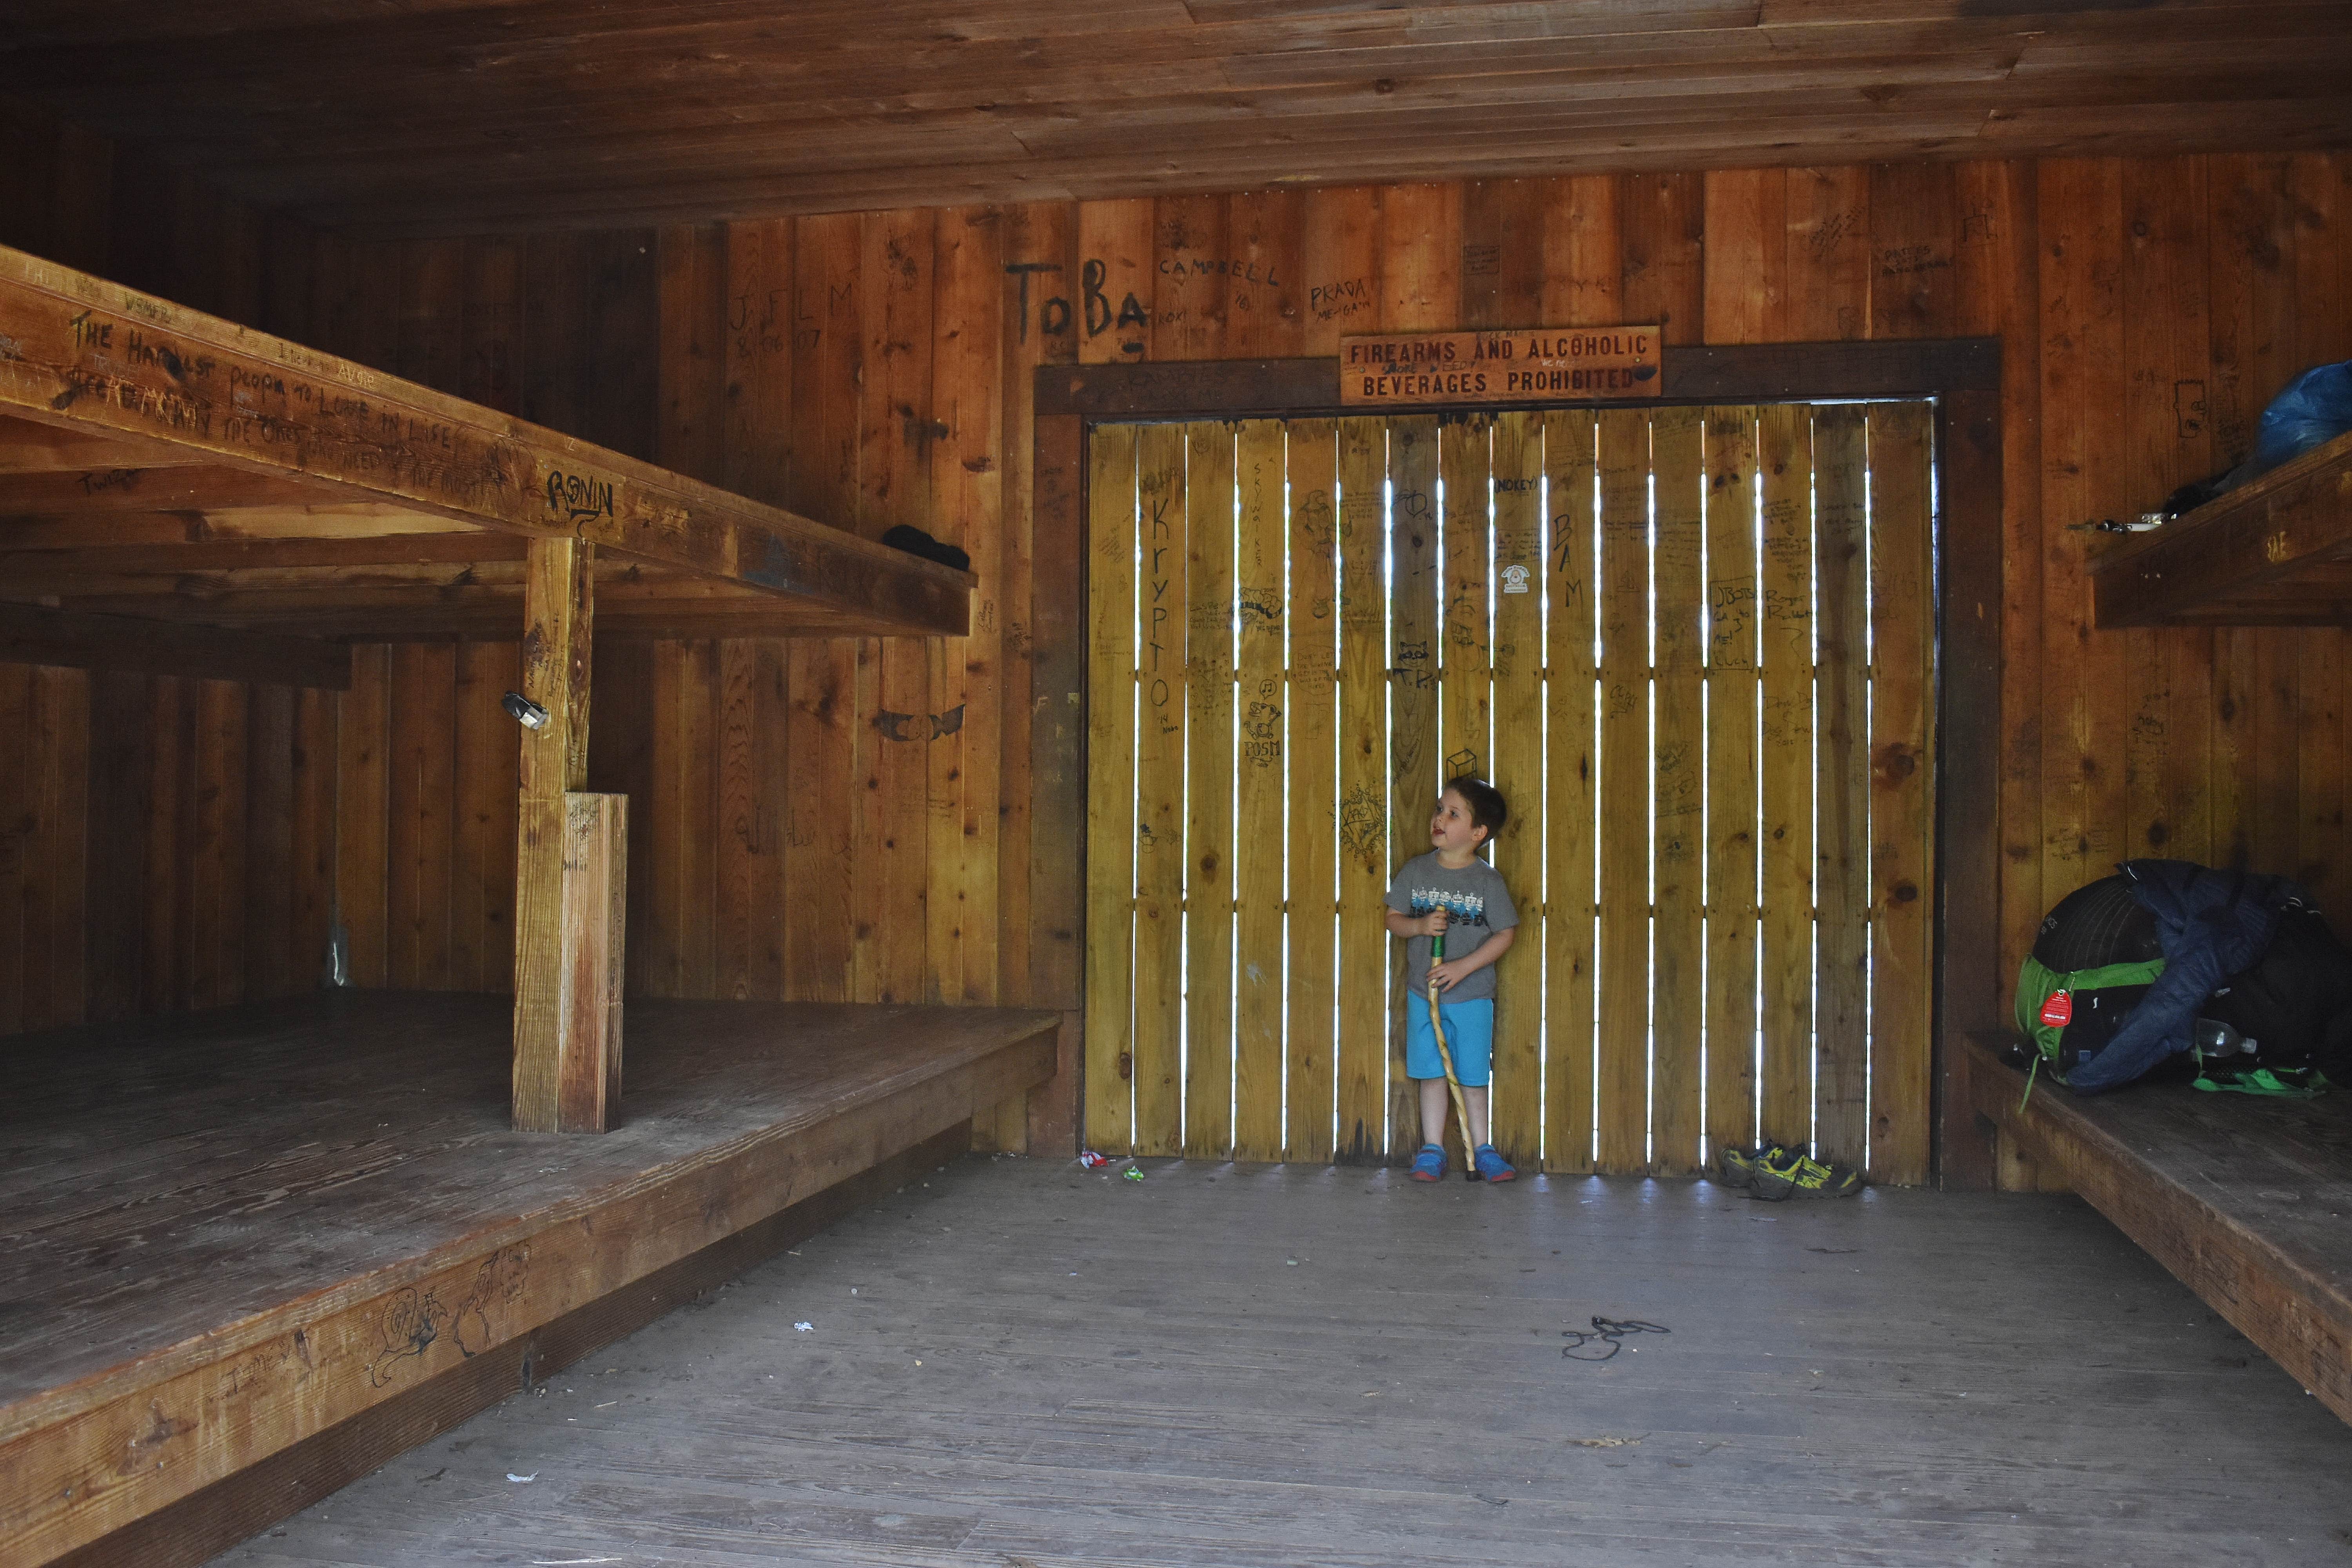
{"points": [[473, 547], [132, 625], [33, 634], [129, 530], [29, 449], [189, 487]]}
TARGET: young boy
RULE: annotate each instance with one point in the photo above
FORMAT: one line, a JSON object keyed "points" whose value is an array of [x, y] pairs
{"points": [[1450, 891]]}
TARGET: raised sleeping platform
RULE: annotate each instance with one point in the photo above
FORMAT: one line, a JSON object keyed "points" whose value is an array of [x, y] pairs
{"points": [[2248, 1202], [250, 1255]]}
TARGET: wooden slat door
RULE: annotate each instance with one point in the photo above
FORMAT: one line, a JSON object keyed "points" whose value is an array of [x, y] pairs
{"points": [[1693, 647]]}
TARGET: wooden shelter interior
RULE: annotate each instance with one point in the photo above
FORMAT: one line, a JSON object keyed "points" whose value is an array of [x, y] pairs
{"points": [[361, 363]]}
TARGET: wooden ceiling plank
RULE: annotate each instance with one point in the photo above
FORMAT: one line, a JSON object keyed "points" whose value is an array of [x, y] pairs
{"points": [[2167, 128], [845, 105], [214, 114], [2025, 14], [60, 41], [1609, 16], [781, 131], [1534, 146]]}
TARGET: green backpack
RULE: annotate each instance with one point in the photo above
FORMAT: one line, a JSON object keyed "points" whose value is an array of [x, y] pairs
{"points": [[2072, 1016]]}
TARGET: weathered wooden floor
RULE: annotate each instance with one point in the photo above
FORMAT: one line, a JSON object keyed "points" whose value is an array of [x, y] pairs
{"points": [[1025, 1364], [245, 1255]]}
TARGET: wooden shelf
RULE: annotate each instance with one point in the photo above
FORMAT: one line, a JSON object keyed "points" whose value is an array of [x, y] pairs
{"points": [[162, 465], [2274, 553]]}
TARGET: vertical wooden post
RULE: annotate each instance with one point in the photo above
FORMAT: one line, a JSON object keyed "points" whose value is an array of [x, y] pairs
{"points": [[571, 858]]}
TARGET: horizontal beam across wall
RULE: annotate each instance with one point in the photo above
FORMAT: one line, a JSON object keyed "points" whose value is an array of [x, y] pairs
{"points": [[32, 634], [80, 352], [1740, 372]]}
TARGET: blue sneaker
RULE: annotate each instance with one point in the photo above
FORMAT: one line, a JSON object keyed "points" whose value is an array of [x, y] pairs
{"points": [[1491, 1166], [1429, 1165]]}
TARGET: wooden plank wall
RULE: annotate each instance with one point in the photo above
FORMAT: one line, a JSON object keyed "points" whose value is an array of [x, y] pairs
{"points": [[873, 368], [165, 843], [850, 819]]}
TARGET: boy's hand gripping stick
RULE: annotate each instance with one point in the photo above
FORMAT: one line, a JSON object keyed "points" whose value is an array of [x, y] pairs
{"points": [[1446, 1056]]}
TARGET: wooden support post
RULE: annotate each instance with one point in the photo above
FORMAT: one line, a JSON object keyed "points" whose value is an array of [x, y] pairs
{"points": [[571, 859]]}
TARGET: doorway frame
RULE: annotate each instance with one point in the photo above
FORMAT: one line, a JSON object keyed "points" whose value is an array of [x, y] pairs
{"points": [[1962, 375]]}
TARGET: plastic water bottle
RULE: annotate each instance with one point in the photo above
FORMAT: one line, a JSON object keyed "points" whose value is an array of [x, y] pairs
{"points": [[2212, 1037]]}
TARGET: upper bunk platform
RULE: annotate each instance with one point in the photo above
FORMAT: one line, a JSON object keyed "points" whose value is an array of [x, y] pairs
{"points": [[231, 1238], [163, 464], [2275, 551]]}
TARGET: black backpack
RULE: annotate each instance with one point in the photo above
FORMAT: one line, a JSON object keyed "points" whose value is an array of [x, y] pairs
{"points": [[2296, 1002], [2098, 952]]}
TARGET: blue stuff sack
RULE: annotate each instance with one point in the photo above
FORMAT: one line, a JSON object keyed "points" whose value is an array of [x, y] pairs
{"points": [[2315, 408]]}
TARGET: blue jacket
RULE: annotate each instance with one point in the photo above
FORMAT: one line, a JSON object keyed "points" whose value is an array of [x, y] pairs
{"points": [[2212, 924]]}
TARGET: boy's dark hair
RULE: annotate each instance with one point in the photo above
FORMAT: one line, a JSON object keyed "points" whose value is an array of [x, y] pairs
{"points": [[1487, 809]]}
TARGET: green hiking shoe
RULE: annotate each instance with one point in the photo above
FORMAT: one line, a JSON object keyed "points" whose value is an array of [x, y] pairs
{"points": [[1782, 1174], [1741, 1167]]}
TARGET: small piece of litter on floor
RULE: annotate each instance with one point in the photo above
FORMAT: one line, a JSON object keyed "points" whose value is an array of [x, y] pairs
{"points": [[802, 1328], [1371, 1394], [1497, 1501], [1132, 1174], [1608, 1442], [1293, 1262], [522, 1480], [1092, 1161], [608, 1405]]}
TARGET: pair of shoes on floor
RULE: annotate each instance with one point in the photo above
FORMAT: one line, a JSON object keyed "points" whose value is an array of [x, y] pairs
{"points": [[1486, 1165], [1775, 1174]]}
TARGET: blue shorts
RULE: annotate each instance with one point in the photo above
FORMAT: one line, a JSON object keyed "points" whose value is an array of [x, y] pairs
{"points": [[1469, 1035]]}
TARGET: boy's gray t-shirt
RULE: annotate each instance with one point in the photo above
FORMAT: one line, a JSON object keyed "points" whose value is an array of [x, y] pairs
{"points": [[1480, 904]]}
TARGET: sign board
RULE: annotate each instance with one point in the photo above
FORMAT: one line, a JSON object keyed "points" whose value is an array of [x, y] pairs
{"points": [[1541, 364]]}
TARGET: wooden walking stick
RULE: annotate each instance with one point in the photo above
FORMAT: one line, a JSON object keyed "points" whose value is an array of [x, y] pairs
{"points": [[1445, 1057]]}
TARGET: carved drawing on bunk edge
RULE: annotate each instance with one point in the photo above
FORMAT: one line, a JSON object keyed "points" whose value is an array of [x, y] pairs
{"points": [[413, 1319], [578, 497]]}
